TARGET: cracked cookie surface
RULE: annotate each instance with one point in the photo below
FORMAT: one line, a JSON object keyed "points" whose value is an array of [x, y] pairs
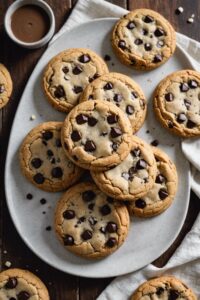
{"points": [[43, 160], [177, 103], [96, 135], [131, 179], [68, 73], [6, 86], [143, 39], [18, 284], [89, 223], [162, 193], [123, 92], [163, 288]]}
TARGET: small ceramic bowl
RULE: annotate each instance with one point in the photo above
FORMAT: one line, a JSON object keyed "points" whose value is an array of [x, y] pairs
{"points": [[16, 5]]}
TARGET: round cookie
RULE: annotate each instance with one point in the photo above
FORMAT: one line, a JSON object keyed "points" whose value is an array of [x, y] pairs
{"points": [[43, 160], [68, 73], [177, 103], [123, 92], [163, 288], [96, 135], [6, 86], [161, 195], [143, 39], [17, 284], [131, 179], [89, 223]]}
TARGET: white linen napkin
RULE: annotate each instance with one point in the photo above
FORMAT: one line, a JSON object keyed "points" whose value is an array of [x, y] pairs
{"points": [[185, 263]]}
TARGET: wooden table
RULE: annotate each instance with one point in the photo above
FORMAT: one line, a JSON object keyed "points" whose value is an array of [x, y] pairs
{"points": [[21, 62]]}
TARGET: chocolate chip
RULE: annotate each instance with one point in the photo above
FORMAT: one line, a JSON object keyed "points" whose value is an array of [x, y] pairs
{"points": [[147, 47], [68, 214], [111, 227], [81, 119], [132, 171], [131, 25], [92, 121], [36, 163], [49, 153], [85, 58], [159, 291], [108, 86], [86, 235], [157, 58], [190, 124], [141, 164], [75, 136], [115, 132], [138, 42], [23, 295], [111, 242], [65, 70], [181, 118], [92, 220], [29, 196], [159, 32], [2, 88], [160, 44], [68, 240], [173, 294], [12, 298], [155, 143], [170, 124], [107, 57], [11, 283], [140, 203], [48, 228], [112, 119], [91, 97], [115, 146], [160, 178], [110, 199], [103, 133], [105, 210], [47, 135], [38, 178], [163, 194], [77, 70], [187, 103], [117, 98], [81, 220], [148, 19], [77, 89], [43, 201], [169, 97], [122, 44], [91, 206], [184, 87], [193, 84], [102, 230], [144, 31], [136, 152], [89, 146], [57, 172], [88, 195], [58, 143], [44, 143], [129, 109], [125, 175], [59, 92]]}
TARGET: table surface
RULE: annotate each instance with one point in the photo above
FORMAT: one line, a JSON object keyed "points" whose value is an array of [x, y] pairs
{"points": [[21, 63]]}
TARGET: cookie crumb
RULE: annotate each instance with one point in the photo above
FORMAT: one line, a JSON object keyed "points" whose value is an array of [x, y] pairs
{"points": [[29, 196], [32, 117], [155, 143], [8, 264], [43, 201], [179, 10], [107, 57], [190, 20], [48, 228]]}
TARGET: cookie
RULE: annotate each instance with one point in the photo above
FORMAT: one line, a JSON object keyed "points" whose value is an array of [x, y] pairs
{"points": [[143, 39], [131, 179], [177, 103], [6, 86], [123, 92], [68, 73], [96, 135], [89, 223], [43, 160], [17, 284], [161, 195], [164, 288]]}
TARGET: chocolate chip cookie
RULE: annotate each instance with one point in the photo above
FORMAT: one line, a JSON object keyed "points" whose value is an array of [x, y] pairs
{"points": [[6, 86], [123, 92], [17, 284], [161, 195], [177, 103], [89, 223], [143, 39], [68, 73], [165, 288], [131, 179], [43, 160], [96, 135]]}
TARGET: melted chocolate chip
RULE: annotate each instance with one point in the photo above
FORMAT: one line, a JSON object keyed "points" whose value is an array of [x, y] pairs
{"points": [[159, 32], [160, 44], [108, 86], [193, 84], [115, 146], [81, 220], [136, 152], [92, 220], [159, 291], [111, 227], [2, 88], [75, 136], [57, 172], [89, 146], [86, 235], [132, 171], [163, 194], [102, 230], [187, 103], [131, 25], [190, 124], [110, 199], [141, 164], [11, 283], [77, 70], [59, 92], [68, 214], [39, 178], [65, 70], [157, 58], [138, 42], [147, 47], [23, 295], [111, 242], [125, 175], [47, 135], [140, 203], [49, 153], [58, 143], [170, 124], [160, 178], [112, 119], [181, 118], [81, 119], [184, 87], [105, 210], [148, 19], [36, 162], [122, 44], [85, 58], [91, 97], [155, 143], [117, 98], [92, 121], [103, 133], [91, 206], [115, 132], [77, 89], [68, 240], [129, 109], [29, 196], [144, 31], [169, 97], [88, 195], [173, 294], [107, 57]]}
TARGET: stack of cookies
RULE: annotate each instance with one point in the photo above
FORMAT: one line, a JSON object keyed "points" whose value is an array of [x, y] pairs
{"points": [[104, 111]]}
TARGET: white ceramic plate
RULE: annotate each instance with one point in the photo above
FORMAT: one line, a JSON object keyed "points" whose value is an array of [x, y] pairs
{"points": [[147, 239]]}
